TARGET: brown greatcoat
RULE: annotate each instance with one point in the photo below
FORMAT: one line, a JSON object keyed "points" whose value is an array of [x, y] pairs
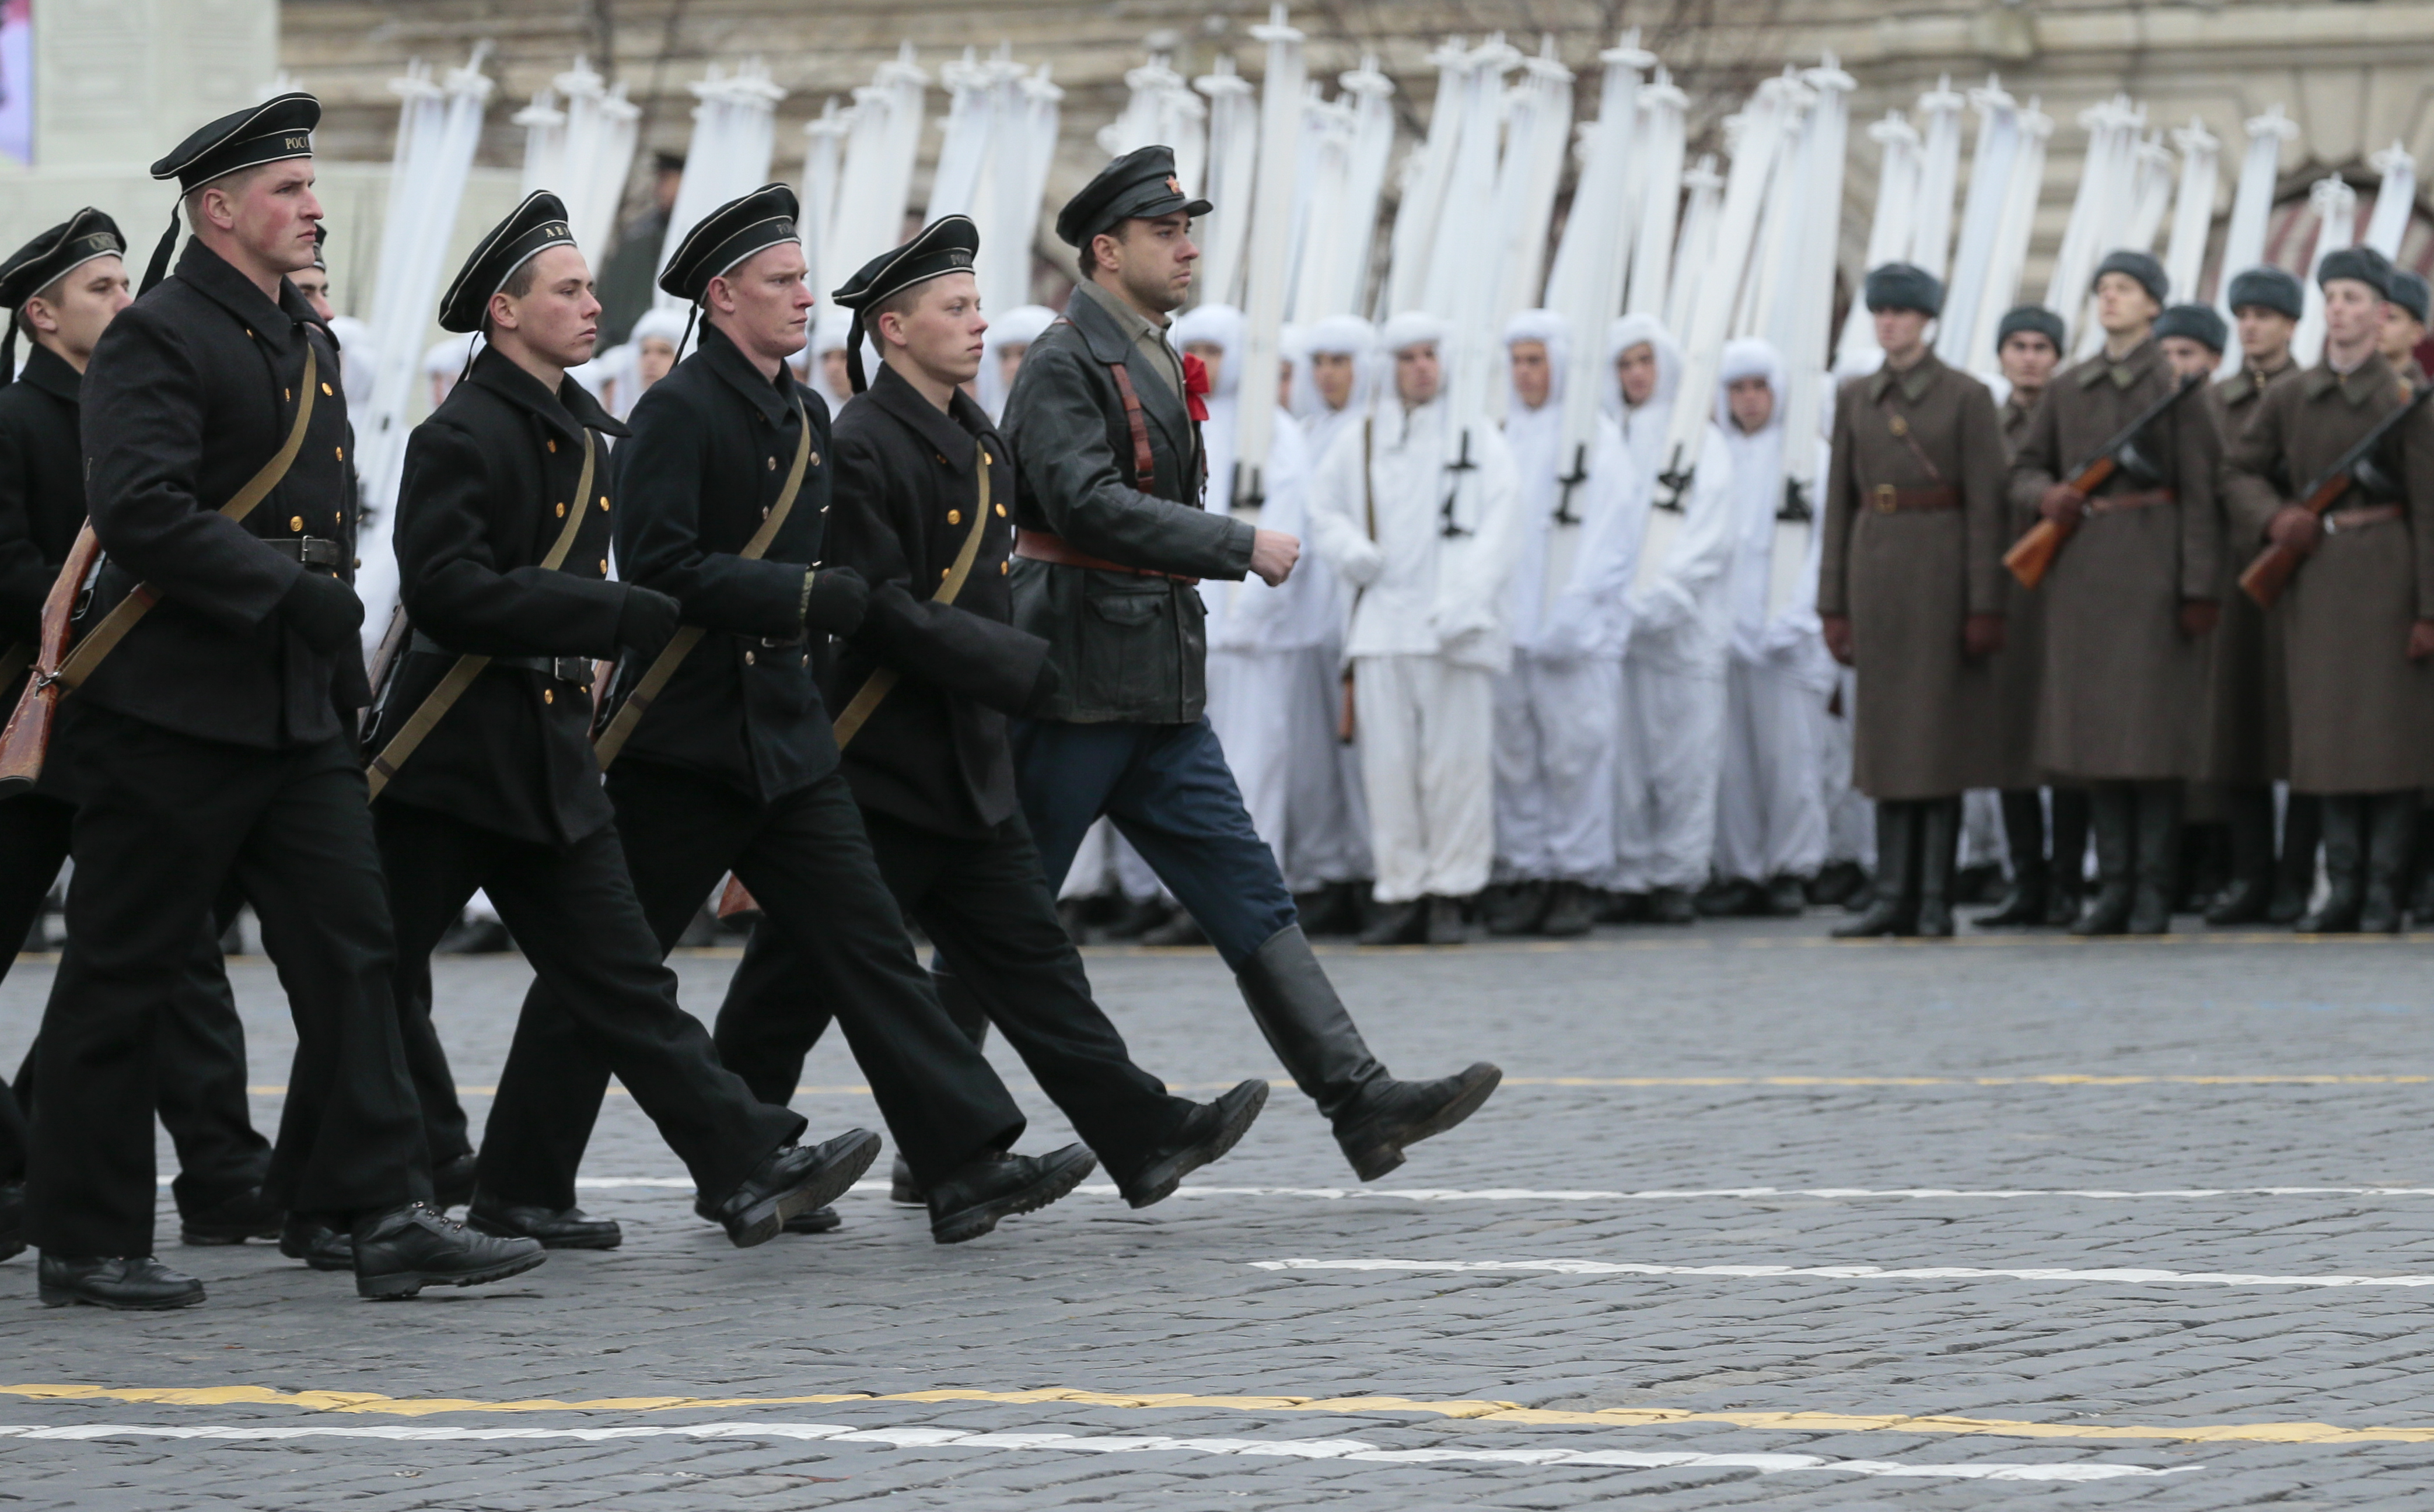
{"points": [[2123, 694], [1925, 724], [2247, 719], [2361, 712], [2018, 666]]}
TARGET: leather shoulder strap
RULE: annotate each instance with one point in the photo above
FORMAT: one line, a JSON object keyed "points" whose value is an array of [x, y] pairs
{"points": [[881, 681], [1144, 462]]}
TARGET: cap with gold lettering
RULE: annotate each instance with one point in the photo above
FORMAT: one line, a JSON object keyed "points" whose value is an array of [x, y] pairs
{"points": [[47, 259], [531, 228], [276, 130]]}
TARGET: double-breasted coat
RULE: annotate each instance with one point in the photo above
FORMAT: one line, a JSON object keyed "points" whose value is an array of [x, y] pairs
{"points": [[2361, 712], [934, 753], [1127, 647], [42, 499], [2123, 692], [489, 479], [1910, 577]]}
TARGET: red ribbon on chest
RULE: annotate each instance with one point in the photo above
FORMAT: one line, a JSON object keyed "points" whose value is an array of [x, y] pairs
{"points": [[1195, 386]]}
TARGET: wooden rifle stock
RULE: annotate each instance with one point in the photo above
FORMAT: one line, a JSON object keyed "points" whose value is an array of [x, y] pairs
{"points": [[2032, 556], [28, 737]]}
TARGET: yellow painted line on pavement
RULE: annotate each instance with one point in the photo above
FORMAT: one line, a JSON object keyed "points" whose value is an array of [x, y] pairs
{"points": [[1476, 1410]]}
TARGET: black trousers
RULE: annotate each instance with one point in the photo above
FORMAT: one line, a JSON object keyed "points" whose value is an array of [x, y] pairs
{"points": [[987, 907], [809, 864], [163, 821], [574, 912]]}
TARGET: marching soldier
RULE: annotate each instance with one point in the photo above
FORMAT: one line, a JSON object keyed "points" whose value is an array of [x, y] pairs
{"points": [[1112, 540], [60, 291], [483, 739], [925, 683], [208, 738], [2122, 703], [1911, 592], [2359, 615], [724, 761], [2045, 877]]}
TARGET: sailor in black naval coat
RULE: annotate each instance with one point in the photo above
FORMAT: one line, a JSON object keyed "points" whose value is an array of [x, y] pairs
{"points": [[725, 761], [484, 769], [924, 685], [213, 739], [60, 291]]}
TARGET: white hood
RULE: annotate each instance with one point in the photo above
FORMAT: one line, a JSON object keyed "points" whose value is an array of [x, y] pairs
{"points": [[1643, 428]]}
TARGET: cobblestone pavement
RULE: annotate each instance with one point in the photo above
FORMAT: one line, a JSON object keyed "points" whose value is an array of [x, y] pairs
{"points": [[1759, 1219]]}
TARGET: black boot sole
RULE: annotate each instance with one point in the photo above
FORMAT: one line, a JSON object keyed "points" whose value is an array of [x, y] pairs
{"points": [[1374, 1153], [1158, 1183], [970, 1223], [398, 1285], [815, 1221], [63, 1296], [766, 1219]]}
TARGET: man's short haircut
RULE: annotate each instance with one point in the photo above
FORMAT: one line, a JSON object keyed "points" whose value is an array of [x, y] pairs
{"points": [[228, 182], [901, 304]]}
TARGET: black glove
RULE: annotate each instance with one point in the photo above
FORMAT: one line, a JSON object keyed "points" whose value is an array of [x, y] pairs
{"points": [[648, 622], [1044, 690], [834, 600], [325, 612]]}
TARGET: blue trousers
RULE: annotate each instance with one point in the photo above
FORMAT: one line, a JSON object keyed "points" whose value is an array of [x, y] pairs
{"points": [[1169, 790]]}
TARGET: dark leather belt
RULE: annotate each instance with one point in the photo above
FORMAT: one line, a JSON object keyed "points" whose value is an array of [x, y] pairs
{"points": [[311, 551], [1038, 545], [2115, 503], [2360, 517], [573, 669], [1885, 499]]}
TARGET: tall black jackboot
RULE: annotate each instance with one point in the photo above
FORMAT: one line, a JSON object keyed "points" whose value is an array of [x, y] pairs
{"points": [[2344, 866], [2024, 835], [2250, 892], [1939, 844], [2112, 811], [2390, 836], [2157, 858], [2294, 872], [1893, 907], [2421, 892], [2066, 872]]}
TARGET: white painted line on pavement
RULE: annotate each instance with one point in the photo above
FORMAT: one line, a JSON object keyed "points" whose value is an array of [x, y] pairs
{"points": [[1920, 1273], [1344, 1448], [1101, 1189]]}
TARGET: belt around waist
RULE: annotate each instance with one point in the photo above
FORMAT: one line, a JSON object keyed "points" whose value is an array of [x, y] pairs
{"points": [[311, 551], [573, 669], [1885, 499], [2115, 503], [1039, 545], [2358, 518]]}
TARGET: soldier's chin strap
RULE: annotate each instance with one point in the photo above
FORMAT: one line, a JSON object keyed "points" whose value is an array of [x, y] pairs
{"points": [[853, 354], [692, 312], [158, 268]]}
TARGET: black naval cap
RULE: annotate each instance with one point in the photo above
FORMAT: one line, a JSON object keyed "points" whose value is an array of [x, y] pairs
{"points": [[2200, 323], [45, 260], [531, 228], [2363, 264], [1140, 185], [275, 131], [740, 228], [1904, 287], [2140, 265], [2409, 291], [946, 244], [2033, 317], [2266, 286]]}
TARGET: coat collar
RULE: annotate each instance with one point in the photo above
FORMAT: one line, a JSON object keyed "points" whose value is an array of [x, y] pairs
{"points": [[49, 371], [280, 322], [1914, 383], [570, 412], [2358, 386], [775, 397], [2133, 366], [2250, 380], [1111, 341], [937, 428]]}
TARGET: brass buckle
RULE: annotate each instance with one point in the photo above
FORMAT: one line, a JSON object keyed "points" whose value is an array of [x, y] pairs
{"points": [[1884, 498]]}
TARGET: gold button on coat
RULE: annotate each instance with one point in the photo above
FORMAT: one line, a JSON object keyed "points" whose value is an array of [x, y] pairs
{"points": [[295, 522], [341, 451], [548, 695], [326, 388], [553, 445], [773, 464], [604, 564], [954, 517], [1001, 511], [1001, 569], [561, 511], [748, 659]]}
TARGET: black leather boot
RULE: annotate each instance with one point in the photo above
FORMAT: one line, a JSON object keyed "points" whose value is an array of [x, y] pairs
{"points": [[401, 1251], [554, 1227], [12, 1218], [2157, 858], [1445, 921], [2344, 866], [2024, 835], [2390, 836], [1938, 847], [1208, 1132], [791, 1180], [1392, 1114], [232, 1220], [975, 1198], [1893, 907], [2112, 811], [1570, 911], [1518, 909], [2250, 892], [136, 1284], [2067, 863], [1306, 1024], [1671, 905], [2421, 891], [1396, 924], [320, 1242], [2295, 871]]}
